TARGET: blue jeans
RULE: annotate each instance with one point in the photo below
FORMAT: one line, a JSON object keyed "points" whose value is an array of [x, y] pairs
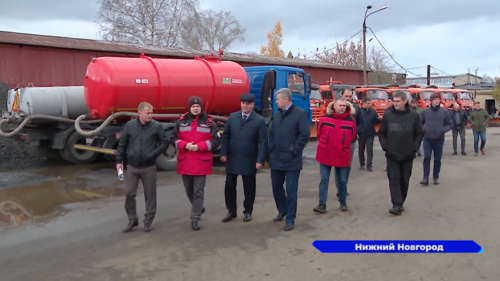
{"points": [[286, 202], [478, 134], [348, 169], [340, 174], [437, 147]]}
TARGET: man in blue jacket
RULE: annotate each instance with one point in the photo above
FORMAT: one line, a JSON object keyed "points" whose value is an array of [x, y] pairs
{"points": [[437, 122], [244, 147], [367, 136], [288, 135], [348, 94]]}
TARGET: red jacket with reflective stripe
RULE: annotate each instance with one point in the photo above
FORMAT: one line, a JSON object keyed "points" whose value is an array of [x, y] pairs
{"points": [[202, 131], [335, 134]]}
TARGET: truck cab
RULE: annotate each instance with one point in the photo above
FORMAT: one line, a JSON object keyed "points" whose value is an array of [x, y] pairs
{"points": [[422, 95], [379, 97], [448, 99], [464, 99], [265, 81]]}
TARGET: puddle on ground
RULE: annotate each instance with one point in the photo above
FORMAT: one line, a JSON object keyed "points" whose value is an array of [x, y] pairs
{"points": [[41, 195]]}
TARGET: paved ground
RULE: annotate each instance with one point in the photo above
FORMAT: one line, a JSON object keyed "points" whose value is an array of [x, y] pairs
{"points": [[82, 241]]}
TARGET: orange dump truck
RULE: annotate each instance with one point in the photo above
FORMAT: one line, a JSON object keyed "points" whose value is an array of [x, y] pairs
{"points": [[464, 99], [379, 97]]}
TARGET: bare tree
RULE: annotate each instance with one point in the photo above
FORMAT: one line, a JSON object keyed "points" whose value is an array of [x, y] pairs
{"points": [[350, 53], [152, 22], [380, 65], [212, 30]]}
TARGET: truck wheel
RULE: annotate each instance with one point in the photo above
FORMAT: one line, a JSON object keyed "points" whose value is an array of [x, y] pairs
{"points": [[168, 161], [77, 156], [49, 153]]}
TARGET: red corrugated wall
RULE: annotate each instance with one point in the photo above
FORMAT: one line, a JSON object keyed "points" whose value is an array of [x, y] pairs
{"points": [[39, 66]]}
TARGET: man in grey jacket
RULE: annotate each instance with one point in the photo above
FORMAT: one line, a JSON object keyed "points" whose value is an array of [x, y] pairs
{"points": [[437, 122], [142, 141]]}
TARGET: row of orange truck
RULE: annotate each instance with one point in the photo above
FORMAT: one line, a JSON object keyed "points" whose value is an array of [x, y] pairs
{"points": [[323, 94]]}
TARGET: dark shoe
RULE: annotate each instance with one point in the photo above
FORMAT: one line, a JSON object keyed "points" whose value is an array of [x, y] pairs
{"points": [[463, 153], [288, 226], [436, 181], [425, 181], [419, 154], [195, 225], [229, 217], [320, 209], [395, 210], [203, 211], [247, 217], [343, 207], [454, 153], [370, 169], [279, 217], [147, 227], [131, 225]]}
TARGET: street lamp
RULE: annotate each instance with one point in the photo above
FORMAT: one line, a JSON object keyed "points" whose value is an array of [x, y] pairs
{"points": [[364, 38]]}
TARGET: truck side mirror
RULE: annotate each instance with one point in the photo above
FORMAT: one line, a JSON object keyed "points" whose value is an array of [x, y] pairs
{"points": [[309, 83]]}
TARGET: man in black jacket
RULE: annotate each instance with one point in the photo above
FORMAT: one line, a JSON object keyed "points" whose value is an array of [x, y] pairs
{"points": [[400, 135], [459, 118], [244, 147], [288, 135], [142, 141], [367, 135]]}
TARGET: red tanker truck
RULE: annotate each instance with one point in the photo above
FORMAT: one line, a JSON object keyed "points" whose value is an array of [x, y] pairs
{"points": [[78, 124]]}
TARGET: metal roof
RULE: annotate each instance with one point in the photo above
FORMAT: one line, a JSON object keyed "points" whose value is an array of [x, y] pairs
{"points": [[106, 46]]}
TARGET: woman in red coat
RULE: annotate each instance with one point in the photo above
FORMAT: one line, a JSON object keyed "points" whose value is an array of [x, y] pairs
{"points": [[195, 136]]}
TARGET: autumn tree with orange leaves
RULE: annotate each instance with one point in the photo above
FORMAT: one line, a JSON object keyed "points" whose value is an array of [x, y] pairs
{"points": [[350, 54], [275, 38]]}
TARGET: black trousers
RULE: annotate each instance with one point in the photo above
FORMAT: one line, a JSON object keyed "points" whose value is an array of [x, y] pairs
{"points": [[249, 187], [368, 144], [399, 173]]}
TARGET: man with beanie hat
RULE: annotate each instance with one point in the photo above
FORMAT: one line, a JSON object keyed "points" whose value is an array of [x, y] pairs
{"points": [[244, 148], [195, 135], [437, 122]]}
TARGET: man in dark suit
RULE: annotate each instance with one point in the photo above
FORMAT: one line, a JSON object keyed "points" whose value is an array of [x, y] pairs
{"points": [[244, 147], [288, 135]]}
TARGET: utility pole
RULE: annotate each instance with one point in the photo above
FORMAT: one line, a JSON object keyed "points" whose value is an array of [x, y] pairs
{"points": [[428, 74], [364, 39], [475, 84]]}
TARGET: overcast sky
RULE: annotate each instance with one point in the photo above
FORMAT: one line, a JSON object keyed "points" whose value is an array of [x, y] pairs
{"points": [[451, 35]]}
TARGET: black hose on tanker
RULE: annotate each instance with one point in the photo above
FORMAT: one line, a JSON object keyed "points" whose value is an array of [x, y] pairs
{"points": [[33, 117], [125, 114]]}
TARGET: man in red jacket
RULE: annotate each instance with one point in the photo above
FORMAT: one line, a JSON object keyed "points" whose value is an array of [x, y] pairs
{"points": [[336, 131]]}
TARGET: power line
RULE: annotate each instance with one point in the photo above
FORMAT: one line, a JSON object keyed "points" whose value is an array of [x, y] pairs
{"points": [[391, 55], [329, 49], [453, 76]]}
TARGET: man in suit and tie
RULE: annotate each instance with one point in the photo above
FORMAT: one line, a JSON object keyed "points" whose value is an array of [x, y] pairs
{"points": [[243, 147]]}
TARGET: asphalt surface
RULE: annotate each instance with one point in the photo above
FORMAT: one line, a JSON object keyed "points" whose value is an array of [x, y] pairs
{"points": [[64, 223]]}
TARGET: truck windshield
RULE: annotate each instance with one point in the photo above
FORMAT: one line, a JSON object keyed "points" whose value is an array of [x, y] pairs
{"points": [[426, 95], [327, 95], [448, 95], [315, 95], [408, 94], [464, 95], [378, 94]]}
